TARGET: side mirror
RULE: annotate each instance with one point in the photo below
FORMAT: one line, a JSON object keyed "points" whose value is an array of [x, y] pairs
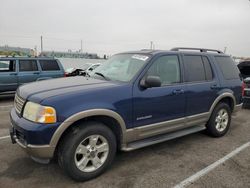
{"points": [[151, 81], [91, 69]]}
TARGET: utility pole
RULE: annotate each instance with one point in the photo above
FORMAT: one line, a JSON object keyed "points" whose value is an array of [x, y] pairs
{"points": [[41, 43], [151, 45], [81, 46], [225, 49], [35, 51]]}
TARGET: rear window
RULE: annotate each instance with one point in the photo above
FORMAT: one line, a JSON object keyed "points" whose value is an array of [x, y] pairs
{"points": [[49, 65], [228, 67], [27, 65], [7, 65]]}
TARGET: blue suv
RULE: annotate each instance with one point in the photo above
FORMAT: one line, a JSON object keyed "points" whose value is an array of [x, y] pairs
{"points": [[133, 100], [15, 71]]}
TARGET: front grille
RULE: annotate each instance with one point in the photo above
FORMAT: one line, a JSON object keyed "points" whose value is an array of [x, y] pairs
{"points": [[18, 103]]}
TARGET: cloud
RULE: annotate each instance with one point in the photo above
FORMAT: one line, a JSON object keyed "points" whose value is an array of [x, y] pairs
{"points": [[110, 26]]}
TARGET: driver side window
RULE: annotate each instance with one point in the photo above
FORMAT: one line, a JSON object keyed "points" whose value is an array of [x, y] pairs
{"points": [[167, 68]]}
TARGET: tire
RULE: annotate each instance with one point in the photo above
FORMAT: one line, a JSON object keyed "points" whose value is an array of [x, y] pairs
{"points": [[218, 125], [80, 154]]}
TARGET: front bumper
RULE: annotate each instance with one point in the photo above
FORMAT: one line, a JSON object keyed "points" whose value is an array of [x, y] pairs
{"points": [[31, 137], [38, 151]]}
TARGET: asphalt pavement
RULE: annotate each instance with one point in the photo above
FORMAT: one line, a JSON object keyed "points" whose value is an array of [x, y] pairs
{"points": [[162, 165]]}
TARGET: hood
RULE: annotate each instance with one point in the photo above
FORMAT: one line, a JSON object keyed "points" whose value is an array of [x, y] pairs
{"points": [[48, 88]]}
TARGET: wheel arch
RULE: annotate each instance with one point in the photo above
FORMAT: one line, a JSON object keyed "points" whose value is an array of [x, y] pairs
{"points": [[108, 117], [224, 97]]}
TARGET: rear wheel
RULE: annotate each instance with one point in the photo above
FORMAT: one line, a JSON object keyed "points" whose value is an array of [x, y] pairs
{"points": [[87, 151], [220, 120]]}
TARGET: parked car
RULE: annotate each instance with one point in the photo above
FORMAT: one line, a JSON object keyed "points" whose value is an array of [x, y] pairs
{"points": [[132, 101], [89, 67], [72, 72], [15, 71], [244, 68], [246, 92]]}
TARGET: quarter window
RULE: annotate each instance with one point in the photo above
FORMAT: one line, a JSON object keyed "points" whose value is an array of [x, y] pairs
{"points": [[27, 65], [167, 68], [228, 67], [49, 65]]}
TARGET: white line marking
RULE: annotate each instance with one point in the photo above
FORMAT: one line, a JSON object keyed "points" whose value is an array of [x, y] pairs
{"points": [[3, 137], [7, 106], [209, 168]]}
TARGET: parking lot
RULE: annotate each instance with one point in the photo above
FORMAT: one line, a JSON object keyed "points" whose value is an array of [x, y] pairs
{"points": [[167, 164]]}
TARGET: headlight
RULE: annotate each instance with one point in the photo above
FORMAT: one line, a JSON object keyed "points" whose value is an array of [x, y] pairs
{"points": [[38, 113]]}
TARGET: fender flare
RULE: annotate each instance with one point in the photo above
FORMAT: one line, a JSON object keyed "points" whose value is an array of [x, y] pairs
{"points": [[219, 98], [84, 114]]}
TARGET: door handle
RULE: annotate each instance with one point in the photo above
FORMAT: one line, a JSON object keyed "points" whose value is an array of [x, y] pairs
{"points": [[36, 73], [13, 73], [178, 91], [215, 86]]}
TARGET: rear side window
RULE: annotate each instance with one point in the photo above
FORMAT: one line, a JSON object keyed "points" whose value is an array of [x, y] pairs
{"points": [[197, 68], [7, 65], [194, 68], [228, 67], [49, 65], [208, 69], [27, 65]]}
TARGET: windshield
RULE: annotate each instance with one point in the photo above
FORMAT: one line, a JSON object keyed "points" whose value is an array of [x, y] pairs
{"points": [[121, 67]]}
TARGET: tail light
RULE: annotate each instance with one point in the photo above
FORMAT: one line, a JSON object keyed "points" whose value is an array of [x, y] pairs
{"points": [[243, 88]]}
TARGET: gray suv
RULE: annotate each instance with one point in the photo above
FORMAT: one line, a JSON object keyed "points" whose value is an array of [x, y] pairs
{"points": [[15, 71]]}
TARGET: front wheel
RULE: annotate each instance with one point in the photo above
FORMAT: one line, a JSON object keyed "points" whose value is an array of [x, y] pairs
{"points": [[219, 121], [87, 151]]}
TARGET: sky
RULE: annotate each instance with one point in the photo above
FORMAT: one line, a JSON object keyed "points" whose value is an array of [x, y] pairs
{"points": [[113, 26]]}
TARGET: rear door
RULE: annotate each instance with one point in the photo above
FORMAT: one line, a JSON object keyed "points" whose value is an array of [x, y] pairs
{"points": [[28, 71], [8, 75], [201, 84], [50, 69]]}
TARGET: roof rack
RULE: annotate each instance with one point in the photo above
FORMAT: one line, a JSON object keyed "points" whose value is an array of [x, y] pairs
{"points": [[199, 49]]}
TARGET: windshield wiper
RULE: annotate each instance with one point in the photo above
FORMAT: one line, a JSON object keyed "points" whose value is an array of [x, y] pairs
{"points": [[100, 74]]}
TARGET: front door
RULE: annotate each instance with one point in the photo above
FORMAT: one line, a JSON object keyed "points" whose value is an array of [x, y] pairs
{"points": [[162, 106]]}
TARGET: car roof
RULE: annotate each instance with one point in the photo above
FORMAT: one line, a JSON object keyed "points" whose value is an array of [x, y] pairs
{"points": [[38, 58]]}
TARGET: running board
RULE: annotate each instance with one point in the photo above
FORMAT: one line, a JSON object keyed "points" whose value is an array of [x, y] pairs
{"points": [[162, 138]]}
